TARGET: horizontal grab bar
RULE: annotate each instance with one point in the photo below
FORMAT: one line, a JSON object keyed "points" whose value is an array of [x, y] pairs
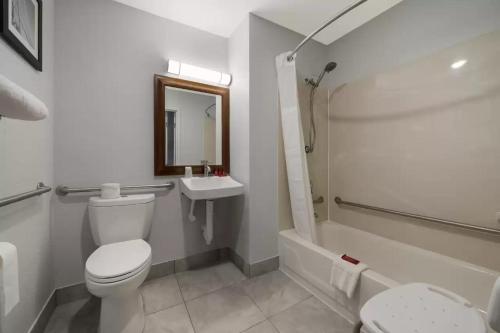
{"points": [[461, 225], [64, 190], [41, 188]]}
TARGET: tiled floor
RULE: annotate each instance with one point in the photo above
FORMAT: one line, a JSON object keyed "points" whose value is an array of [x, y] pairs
{"points": [[216, 299]]}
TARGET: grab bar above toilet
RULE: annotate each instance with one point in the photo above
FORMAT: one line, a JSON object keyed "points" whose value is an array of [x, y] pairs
{"points": [[456, 224], [64, 190]]}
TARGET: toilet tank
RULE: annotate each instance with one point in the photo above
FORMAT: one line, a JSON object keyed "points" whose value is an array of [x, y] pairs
{"points": [[125, 218]]}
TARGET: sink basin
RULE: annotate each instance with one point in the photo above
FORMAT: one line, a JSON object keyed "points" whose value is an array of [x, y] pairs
{"points": [[209, 188]]}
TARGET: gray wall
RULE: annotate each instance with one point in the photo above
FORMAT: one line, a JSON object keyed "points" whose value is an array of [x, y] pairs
{"points": [[256, 158], [238, 51], [409, 31], [107, 54], [25, 159], [267, 40]]}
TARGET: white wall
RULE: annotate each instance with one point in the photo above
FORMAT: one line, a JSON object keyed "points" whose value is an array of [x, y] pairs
{"points": [[107, 54], [25, 159], [405, 147]]}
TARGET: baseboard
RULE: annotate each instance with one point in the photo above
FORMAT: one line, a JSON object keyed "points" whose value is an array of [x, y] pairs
{"points": [[72, 293], [43, 317], [239, 262], [264, 266], [162, 269], [255, 269], [199, 260]]}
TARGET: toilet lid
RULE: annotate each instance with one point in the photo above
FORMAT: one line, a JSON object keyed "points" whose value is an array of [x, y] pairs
{"points": [[116, 260], [420, 307]]}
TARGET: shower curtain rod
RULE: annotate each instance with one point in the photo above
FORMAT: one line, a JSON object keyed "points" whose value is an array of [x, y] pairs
{"points": [[327, 23]]}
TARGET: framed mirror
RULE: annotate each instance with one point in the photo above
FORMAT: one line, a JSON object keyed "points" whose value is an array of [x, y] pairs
{"points": [[191, 125]]}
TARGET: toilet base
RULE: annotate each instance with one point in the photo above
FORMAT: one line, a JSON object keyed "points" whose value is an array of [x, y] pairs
{"points": [[122, 314]]}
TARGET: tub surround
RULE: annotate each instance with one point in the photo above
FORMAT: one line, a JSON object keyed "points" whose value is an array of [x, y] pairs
{"points": [[405, 160]]}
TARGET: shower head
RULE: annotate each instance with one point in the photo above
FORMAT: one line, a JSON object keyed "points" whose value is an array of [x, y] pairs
{"points": [[315, 84], [328, 68]]}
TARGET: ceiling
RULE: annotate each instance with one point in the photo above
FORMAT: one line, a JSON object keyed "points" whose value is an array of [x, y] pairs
{"points": [[221, 17]]}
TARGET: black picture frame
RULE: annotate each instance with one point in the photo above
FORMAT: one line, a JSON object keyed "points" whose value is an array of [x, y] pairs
{"points": [[14, 41]]}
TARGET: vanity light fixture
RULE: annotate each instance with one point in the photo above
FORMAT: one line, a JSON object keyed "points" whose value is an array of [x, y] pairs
{"points": [[459, 63], [182, 69]]}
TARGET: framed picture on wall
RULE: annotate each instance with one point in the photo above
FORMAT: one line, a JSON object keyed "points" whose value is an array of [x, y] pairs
{"points": [[21, 27]]}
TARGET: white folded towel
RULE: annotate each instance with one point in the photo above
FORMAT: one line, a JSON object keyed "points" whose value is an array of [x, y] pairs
{"points": [[18, 103], [345, 275]]}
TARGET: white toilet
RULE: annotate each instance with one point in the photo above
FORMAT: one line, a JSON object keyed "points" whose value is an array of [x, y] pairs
{"points": [[120, 265]]}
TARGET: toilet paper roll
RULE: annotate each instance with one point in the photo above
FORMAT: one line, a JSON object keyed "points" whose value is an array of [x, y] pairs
{"points": [[9, 274], [110, 190]]}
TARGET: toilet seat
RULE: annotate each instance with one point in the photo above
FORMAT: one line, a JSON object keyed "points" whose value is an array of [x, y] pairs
{"points": [[118, 261], [420, 307]]}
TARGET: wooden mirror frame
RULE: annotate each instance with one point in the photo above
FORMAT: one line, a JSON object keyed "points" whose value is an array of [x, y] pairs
{"points": [[161, 82]]}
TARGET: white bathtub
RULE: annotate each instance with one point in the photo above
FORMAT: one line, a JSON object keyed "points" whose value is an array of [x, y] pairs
{"points": [[391, 263]]}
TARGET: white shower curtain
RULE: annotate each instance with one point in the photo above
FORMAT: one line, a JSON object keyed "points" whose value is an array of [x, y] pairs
{"points": [[293, 138]]}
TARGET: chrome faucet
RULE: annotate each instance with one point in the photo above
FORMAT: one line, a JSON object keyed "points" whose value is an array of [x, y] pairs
{"points": [[206, 168]]}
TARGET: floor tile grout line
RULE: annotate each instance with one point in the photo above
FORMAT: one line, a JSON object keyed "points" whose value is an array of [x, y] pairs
{"points": [[185, 304], [231, 285], [256, 324], [283, 310], [254, 302], [291, 306], [237, 284], [189, 316], [160, 310], [274, 326], [212, 291], [164, 309]]}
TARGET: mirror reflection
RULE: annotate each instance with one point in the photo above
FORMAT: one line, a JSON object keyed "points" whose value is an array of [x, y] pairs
{"points": [[193, 127]]}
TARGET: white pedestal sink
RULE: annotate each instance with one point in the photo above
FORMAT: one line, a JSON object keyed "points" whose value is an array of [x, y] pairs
{"points": [[209, 189]]}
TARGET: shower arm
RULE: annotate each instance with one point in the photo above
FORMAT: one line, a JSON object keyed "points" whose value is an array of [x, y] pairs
{"points": [[327, 23]]}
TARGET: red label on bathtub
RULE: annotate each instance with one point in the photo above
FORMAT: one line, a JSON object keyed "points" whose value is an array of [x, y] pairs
{"points": [[350, 259]]}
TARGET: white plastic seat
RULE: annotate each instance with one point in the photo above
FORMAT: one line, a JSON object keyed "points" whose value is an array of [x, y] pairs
{"points": [[118, 261], [420, 308]]}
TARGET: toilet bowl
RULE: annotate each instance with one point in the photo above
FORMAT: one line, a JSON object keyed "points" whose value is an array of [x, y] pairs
{"points": [[122, 262], [117, 281]]}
